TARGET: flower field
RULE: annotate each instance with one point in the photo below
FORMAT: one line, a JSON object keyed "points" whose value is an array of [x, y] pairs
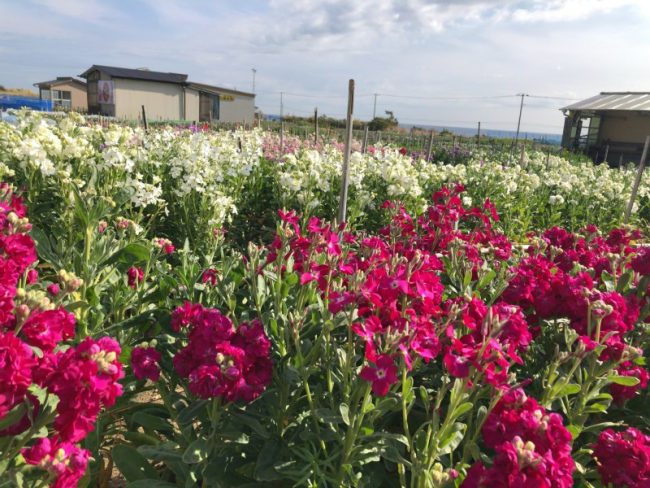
{"points": [[178, 309]]}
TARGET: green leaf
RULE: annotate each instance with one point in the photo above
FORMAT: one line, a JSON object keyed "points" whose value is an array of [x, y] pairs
{"points": [[345, 413], [452, 441], [151, 483], [253, 423], [568, 389], [161, 452], [575, 430], [130, 254], [14, 416], [623, 281], [196, 452], [461, 409], [190, 414], [623, 380], [132, 464], [266, 460], [151, 422]]}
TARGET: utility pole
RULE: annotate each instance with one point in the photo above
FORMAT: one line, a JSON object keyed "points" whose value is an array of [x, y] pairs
{"points": [[521, 108], [374, 107], [254, 71]]}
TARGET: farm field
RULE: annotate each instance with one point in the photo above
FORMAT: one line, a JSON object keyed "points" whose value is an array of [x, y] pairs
{"points": [[178, 308]]}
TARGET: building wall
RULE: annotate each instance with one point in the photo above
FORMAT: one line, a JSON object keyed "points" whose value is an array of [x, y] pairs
{"points": [[240, 109], [94, 107], [162, 101], [191, 105], [78, 95], [619, 126]]}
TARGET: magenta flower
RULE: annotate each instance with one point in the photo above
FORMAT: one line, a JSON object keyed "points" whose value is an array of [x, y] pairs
{"points": [[382, 376], [135, 275], [145, 363]]}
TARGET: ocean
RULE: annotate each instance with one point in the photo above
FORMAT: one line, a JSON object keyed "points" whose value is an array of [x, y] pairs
{"points": [[547, 138]]}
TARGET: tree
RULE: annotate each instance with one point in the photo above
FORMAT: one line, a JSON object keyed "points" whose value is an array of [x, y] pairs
{"points": [[383, 123]]}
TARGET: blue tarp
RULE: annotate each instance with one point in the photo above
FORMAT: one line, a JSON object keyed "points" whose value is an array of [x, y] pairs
{"points": [[13, 101]]}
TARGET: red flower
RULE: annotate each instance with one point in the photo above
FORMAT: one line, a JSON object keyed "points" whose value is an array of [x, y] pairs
{"points": [[144, 361], [623, 458], [16, 363], [47, 329], [382, 376], [135, 275], [209, 276]]}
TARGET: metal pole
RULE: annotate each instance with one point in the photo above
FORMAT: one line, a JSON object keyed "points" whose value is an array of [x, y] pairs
{"points": [[478, 136], [316, 125], [374, 107], [343, 200], [637, 181], [254, 71], [606, 153]]}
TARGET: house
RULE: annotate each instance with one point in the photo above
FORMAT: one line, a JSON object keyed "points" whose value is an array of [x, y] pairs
{"points": [[65, 92], [122, 92], [611, 126]]}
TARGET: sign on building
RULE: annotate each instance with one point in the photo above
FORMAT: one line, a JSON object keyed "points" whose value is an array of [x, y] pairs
{"points": [[105, 91]]}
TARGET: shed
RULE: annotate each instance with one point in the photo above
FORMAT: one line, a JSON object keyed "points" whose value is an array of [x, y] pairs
{"points": [[65, 92], [121, 92], [615, 123], [224, 104]]}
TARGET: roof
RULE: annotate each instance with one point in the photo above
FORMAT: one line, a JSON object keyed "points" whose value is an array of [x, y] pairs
{"points": [[137, 74], [216, 89], [632, 101], [59, 81]]}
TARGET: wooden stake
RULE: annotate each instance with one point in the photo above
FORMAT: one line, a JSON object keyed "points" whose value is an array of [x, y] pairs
{"points": [[430, 146], [364, 148], [343, 199], [281, 137], [637, 181], [144, 119]]}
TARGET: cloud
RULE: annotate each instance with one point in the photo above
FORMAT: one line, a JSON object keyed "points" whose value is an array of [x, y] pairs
{"points": [[92, 11]]}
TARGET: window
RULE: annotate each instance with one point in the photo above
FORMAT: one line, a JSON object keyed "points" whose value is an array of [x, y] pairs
{"points": [[62, 98], [45, 94]]}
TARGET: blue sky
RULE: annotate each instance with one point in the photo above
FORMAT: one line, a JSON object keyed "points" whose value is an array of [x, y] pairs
{"points": [[433, 49]]}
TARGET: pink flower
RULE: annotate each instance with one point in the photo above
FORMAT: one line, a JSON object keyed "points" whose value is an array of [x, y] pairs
{"points": [[209, 276], [49, 328], [17, 361], [144, 362], [32, 276], [135, 275], [54, 289], [382, 376], [165, 245], [623, 458], [65, 461], [84, 378], [220, 361], [185, 315]]}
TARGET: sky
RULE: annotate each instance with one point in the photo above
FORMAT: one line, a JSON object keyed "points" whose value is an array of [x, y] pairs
{"points": [[434, 62]]}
